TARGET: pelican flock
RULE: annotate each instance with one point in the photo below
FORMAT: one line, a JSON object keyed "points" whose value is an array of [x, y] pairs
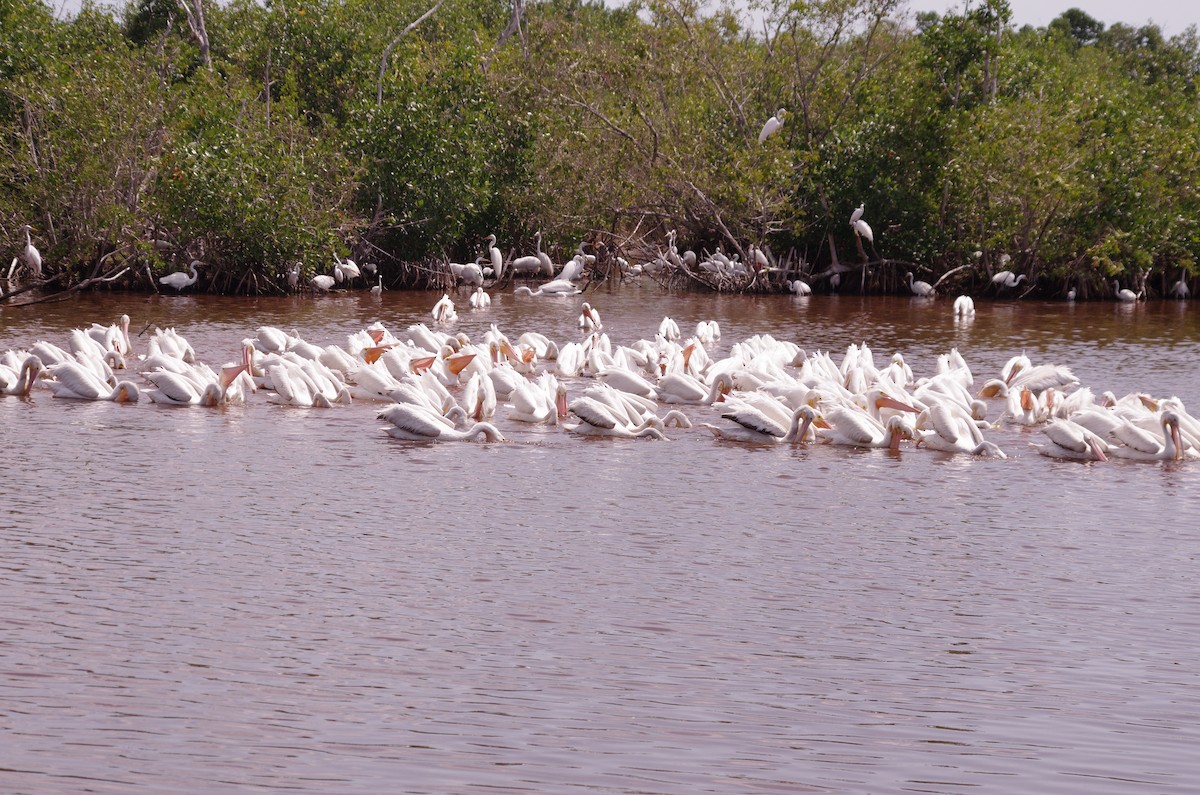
{"points": [[433, 384]]}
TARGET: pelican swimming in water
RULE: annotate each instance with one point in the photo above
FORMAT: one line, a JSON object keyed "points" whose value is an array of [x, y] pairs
{"points": [[1072, 441], [19, 382], [855, 428], [756, 427], [414, 423], [75, 381]]}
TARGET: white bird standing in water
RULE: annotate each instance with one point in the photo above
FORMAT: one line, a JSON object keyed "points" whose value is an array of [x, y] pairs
{"points": [[378, 288], [773, 125], [496, 257], [179, 279], [919, 288], [1007, 279], [349, 267], [964, 306], [32, 257], [1125, 295]]}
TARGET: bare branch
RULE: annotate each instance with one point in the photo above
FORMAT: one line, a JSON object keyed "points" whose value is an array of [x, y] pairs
{"points": [[195, 19], [514, 26], [387, 53]]}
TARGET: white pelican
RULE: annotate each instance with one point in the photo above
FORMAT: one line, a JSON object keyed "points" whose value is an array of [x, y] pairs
{"points": [[669, 329], [1140, 445], [953, 433], [179, 279], [537, 402], [599, 419], [416, 424], [859, 429], [73, 380], [18, 382], [752, 425], [708, 332], [685, 388], [173, 389], [114, 337], [443, 311], [626, 381], [919, 288], [1073, 441], [479, 397], [772, 125], [589, 319], [480, 299]]}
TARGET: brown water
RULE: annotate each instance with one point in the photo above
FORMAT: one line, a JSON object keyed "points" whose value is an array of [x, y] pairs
{"points": [[262, 598]]}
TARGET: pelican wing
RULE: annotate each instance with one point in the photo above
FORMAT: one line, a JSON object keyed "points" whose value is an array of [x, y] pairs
{"points": [[414, 421], [594, 413], [755, 420]]}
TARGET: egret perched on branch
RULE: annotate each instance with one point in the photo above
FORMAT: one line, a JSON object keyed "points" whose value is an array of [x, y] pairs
{"points": [[179, 279], [773, 124], [861, 227]]}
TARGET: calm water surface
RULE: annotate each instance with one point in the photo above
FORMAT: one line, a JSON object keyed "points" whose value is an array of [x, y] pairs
{"points": [[262, 598]]}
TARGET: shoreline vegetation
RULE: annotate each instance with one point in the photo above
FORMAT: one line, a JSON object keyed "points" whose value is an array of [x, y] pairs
{"points": [[265, 149]]}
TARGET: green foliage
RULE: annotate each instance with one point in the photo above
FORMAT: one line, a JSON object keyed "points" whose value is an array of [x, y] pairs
{"points": [[1071, 148], [437, 153]]}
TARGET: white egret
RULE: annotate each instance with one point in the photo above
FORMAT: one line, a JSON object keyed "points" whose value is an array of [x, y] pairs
{"points": [[772, 125], [919, 288], [179, 279], [1124, 295], [32, 257]]}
